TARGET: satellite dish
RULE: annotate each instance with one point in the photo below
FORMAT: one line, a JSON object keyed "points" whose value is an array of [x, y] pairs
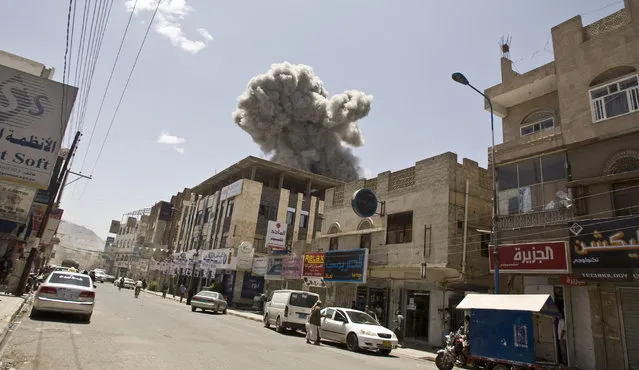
{"points": [[364, 203]]}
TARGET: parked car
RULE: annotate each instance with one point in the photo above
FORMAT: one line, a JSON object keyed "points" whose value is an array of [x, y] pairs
{"points": [[100, 276], [129, 283], [208, 300], [65, 292], [288, 309], [357, 329]]}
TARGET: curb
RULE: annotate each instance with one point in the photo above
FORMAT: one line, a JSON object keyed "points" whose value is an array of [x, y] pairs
{"points": [[5, 331], [233, 313]]}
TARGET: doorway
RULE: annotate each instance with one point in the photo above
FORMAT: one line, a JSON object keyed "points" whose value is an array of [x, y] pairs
{"points": [[417, 315]]}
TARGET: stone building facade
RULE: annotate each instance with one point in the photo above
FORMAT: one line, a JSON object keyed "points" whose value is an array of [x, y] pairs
{"points": [[431, 219], [569, 164]]}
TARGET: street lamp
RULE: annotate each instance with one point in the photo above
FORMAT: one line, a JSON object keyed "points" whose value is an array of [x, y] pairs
{"points": [[460, 78]]}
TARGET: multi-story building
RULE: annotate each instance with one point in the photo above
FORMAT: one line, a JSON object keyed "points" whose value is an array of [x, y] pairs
{"points": [[568, 172], [235, 206], [427, 244], [129, 245]]}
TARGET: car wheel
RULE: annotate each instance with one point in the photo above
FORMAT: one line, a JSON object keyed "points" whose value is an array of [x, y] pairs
{"points": [[385, 352], [278, 326], [34, 313], [224, 312], [352, 343], [86, 318], [193, 309], [266, 323]]}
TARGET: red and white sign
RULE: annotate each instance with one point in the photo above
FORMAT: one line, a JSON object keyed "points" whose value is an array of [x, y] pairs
{"points": [[276, 235], [532, 258]]}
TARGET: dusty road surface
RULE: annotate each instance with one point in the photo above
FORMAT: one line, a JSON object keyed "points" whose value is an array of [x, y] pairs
{"points": [[153, 333]]}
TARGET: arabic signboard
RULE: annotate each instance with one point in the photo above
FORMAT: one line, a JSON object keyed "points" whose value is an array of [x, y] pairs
{"points": [[346, 266], [115, 227], [605, 249], [313, 265], [274, 267], [531, 258], [232, 190], [33, 120], [252, 286], [15, 202], [245, 253], [276, 235], [222, 259], [571, 280], [292, 267], [260, 265]]}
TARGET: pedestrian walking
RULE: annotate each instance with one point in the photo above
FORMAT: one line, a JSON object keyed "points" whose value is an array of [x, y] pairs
{"points": [[182, 292], [314, 322], [399, 327]]}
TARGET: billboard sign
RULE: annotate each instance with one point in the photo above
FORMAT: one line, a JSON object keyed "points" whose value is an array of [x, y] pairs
{"points": [[15, 202], [222, 259], [245, 253], [259, 265], [231, 190], [292, 267], [276, 235], [348, 266], [274, 267], [531, 258], [313, 266], [605, 249], [33, 118]]}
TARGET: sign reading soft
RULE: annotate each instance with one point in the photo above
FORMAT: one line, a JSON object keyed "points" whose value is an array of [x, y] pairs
{"points": [[33, 120], [531, 258], [346, 266], [276, 235]]}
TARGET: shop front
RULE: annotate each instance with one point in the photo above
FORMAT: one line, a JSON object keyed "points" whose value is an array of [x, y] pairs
{"points": [[377, 298], [605, 256]]}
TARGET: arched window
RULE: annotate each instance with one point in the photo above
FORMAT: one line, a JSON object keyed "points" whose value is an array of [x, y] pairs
{"points": [[364, 224], [614, 93], [625, 194], [537, 121], [623, 161], [334, 229]]}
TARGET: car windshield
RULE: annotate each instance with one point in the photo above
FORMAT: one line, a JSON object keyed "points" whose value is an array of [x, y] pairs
{"points": [[70, 279], [303, 300], [206, 293], [361, 318]]}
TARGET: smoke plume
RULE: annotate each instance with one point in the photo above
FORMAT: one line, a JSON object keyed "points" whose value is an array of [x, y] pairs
{"points": [[289, 114]]}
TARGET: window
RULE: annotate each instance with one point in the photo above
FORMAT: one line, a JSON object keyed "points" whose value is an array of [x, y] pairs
{"points": [[485, 241], [626, 198], [333, 244], [365, 241], [290, 218], [303, 300], [229, 208], [615, 99], [260, 245], [68, 279], [536, 122], [532, 185], [223, 241], [329, 312], [303, 220], [399, 228]]}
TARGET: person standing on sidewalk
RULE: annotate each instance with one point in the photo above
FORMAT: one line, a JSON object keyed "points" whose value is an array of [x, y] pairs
{"points": [[561, 336], [314, 322], [399, 326], [182, 291]]}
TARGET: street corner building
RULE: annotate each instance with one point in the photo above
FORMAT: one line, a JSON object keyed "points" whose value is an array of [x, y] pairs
{"points": [[568, 184]]}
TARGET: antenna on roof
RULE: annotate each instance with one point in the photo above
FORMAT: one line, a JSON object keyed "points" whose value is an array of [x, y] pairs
{"points": [[504, 45]]}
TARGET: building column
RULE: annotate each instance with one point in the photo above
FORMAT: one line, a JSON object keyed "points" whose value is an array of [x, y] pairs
{"points": [[253, 171], [281, 183]]}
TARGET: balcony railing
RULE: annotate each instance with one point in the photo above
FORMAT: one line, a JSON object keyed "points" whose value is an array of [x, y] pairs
{"points": [[536, 219]]}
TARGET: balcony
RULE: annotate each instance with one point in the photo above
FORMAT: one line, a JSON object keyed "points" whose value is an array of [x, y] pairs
{"points": [[536, 219]]}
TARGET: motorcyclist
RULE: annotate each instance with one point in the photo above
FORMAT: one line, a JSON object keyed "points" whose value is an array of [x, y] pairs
{"points": [[138, 287], [144, 284], [121, 283]]}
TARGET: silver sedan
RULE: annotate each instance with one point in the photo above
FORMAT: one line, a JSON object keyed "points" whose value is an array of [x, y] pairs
{"points": [[65, 292], [207, 300]]}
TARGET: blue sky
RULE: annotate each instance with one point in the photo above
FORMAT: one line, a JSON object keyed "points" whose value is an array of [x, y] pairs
{"points": [[200, 55]]}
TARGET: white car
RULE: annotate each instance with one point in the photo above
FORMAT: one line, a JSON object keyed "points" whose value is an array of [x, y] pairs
{"points": [[288, 309], [65, 292], [208, 300], [357, 329]]}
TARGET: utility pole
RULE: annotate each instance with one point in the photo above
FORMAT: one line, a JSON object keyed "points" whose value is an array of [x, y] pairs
{"points": [[33, 253]]}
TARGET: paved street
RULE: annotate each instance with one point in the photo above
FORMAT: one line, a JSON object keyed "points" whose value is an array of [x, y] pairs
{"points": [[152, 333]]}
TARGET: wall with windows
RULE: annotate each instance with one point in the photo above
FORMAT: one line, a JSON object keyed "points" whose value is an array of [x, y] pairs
{"points": [[525, 120]]}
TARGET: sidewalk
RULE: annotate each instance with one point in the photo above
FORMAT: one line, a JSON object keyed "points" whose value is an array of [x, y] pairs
{"points": [[10, 306], [403, 352]]}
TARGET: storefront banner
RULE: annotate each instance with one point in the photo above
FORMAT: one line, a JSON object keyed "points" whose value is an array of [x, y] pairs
{"points": [[313, 266], [260, 265], [605, 249], [571, 280], [276, 235], [531, 258], [37, 217], [223, 259], [15, 202], [348, 266], [292, 267], [274, 268], [245, 253], [33, 119], [252, 286]]}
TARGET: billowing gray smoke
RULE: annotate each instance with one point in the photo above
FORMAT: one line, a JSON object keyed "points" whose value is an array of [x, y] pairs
{"points": [[289, 114]]}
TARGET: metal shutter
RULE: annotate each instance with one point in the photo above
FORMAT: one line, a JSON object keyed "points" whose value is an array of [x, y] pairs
{"points": [[630, 315]]}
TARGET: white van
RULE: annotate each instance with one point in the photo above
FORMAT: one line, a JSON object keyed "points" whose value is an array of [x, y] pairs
{"points": [[288, 309]]}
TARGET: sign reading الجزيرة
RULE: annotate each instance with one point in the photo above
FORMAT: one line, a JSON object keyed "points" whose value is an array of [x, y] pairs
{"points": [[347, 266], [34, 113]]}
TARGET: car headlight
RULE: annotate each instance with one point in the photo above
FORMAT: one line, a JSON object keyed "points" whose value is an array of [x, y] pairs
{"points": [[366, 332]]}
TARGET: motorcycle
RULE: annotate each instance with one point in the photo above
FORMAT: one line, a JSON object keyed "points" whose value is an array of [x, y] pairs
{"points": [[137, 291], [455, 352]]}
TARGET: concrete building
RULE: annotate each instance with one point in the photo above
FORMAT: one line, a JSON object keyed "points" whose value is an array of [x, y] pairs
{"points": [[128, 249], [568, 171], [235, 206], [429, 214]]}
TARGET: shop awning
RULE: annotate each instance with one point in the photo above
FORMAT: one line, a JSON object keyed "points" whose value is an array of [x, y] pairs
{"points": [[541, 303]]}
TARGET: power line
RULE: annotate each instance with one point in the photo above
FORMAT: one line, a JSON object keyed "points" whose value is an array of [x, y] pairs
{"points": [[126, 85], [106, 90], [64, 69]]}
